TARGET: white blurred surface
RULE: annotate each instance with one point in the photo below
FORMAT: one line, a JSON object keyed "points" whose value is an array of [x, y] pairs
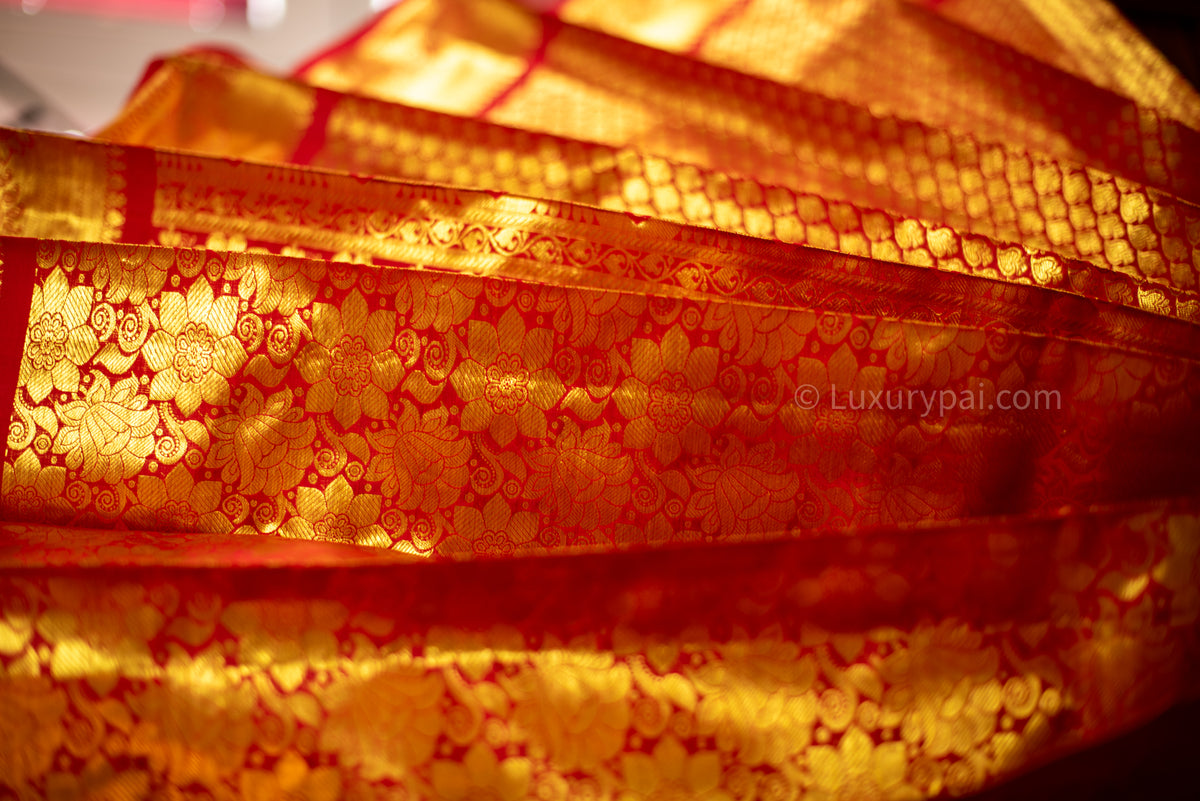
{"points": [[84, 67]]}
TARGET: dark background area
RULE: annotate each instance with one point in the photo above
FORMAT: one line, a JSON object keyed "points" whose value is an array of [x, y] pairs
{"points": [[1173, 26], [1157, 762]]}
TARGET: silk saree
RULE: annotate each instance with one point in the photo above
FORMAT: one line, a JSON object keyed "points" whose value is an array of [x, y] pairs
{"points": [[721, 400]]}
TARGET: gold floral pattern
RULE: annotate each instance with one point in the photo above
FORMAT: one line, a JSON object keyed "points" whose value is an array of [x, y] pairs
{"points": [[589, 730], [684, 425], [264, 444], [177, 502], [495, 530], [336, 515], [31, 729], [32, 491], [857, 767], [194, 353], [746, 494], [59, 339], [581, 479], [507, 384], [682, 581], [127, 274], [669, 771], [421, 460], [350, 362], [670, 399], [387, 724], [356, 683], [291, 778], [481, 775], [108, 434]]}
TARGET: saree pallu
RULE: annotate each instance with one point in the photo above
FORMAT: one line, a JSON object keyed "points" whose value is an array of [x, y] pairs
{"points": [[648, 416]]}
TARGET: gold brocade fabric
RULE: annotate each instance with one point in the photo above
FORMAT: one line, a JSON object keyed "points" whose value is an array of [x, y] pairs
{"points": [[720, 400]]}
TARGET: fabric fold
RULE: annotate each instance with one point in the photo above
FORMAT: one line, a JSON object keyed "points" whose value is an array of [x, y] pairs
{"points": [[714, 400]]}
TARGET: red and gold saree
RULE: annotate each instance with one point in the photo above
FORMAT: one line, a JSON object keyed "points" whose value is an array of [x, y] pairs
{"points": [[722, 400]]}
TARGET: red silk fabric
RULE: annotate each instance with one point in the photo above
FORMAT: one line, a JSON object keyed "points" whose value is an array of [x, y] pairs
{"points": [[701, 400]]}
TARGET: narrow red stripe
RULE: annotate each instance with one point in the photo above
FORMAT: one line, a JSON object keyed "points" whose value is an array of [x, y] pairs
{"points": [[19, 260], [735, 9], [342, 46], [141, 179], [314, 135], [550, 28]]}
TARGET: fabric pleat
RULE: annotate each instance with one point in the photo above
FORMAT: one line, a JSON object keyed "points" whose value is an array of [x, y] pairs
{"points": [[729, 399]]}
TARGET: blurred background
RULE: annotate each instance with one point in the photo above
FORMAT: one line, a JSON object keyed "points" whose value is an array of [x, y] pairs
{"points": [[68, 65]]}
